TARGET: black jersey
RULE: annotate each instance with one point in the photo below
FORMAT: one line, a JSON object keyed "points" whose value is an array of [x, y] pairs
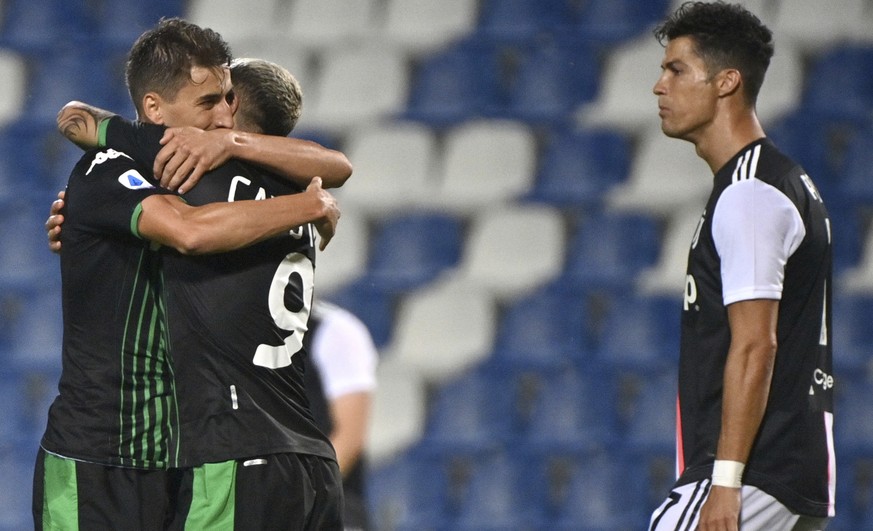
{"points": [[765, 234], [115, 404], [236, 326]]}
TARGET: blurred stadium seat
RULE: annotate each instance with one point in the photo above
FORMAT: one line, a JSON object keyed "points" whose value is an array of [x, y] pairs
{"points": [[407, 251], [484, 163], [394, 166], [462, 82], [544, 330], [512, 251], [552, 80], [355, 86], [608, 250], [419, 26], [578, 167]]}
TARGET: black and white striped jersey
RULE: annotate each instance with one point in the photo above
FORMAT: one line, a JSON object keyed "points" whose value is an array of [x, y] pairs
{"points": [[765, 234]]}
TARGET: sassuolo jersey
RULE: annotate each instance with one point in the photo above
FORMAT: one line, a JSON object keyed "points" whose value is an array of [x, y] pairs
{"points": [[236, 326], [765, 234], [115, 403]]}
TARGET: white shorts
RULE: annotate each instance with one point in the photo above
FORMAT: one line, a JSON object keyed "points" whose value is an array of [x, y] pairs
{"points": [[760, 511]]}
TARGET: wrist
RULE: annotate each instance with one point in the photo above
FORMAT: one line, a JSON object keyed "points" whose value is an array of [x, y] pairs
{"points": [[727, 473]]}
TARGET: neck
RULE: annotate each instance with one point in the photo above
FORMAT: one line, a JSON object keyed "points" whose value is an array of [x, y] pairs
{"points": [[727, 136]]}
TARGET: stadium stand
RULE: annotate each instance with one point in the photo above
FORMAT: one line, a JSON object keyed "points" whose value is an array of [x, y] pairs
{"points": [[514, 235]]}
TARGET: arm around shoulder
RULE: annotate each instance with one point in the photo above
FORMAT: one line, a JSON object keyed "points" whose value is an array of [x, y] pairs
{"points": [[220, 227], [80, 123]]}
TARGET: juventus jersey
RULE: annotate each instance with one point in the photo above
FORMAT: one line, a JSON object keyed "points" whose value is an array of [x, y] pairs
{"points": [[236, 326], [115, 403], [765, 234]]}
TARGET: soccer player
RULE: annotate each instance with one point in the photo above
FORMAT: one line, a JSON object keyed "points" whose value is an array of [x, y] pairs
{"points": [[303, 485], [340, 381], [755, 444]]}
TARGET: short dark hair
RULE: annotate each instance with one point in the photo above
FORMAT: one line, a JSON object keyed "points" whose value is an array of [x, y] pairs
{"points": [[270, 98], [725, 36], [161, 58]]}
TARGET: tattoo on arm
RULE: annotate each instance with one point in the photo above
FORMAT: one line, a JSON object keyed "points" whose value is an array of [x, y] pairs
{"points": [[79, 122]]}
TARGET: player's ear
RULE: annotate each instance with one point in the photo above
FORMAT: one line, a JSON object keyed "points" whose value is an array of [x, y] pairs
{"points": [[151, 108], [729, 81]]}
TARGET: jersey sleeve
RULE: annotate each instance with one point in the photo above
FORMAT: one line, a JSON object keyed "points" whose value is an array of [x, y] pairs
{"points": [[756, 228], [345, 354], [106, 194], [139, 140]]}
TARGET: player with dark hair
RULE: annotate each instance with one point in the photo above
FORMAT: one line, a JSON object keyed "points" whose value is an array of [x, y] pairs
{"points": [[232, 408], [755, 443]]}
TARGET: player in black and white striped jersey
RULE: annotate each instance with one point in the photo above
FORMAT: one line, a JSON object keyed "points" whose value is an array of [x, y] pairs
{"points": [[754, 437]]}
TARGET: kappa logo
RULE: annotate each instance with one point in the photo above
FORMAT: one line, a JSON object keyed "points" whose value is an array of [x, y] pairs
{"points": [[103, 156], [134, 180]]}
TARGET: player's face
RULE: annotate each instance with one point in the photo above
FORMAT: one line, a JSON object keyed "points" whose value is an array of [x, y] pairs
{"points": [[203, 102], [687, 96]]}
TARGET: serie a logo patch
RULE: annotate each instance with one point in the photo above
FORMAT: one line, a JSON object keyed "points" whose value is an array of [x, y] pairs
{"points": [[134, 180]]}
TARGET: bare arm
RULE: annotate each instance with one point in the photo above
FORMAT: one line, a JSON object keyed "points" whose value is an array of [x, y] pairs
{"points": [[220, 227], [78, 122], [189, 153], [350, 414], [747, 376]]}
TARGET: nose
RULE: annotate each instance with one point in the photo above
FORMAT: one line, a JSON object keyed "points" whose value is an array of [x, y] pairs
{"points": [[658, 89], [223, 115]]}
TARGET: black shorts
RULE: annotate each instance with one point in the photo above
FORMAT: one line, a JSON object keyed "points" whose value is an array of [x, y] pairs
{"points": [[72, 495], [277, 492]]}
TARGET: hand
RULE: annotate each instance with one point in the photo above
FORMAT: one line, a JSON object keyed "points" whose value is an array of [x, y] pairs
{"points": [[721, 512], [326, 225], [53, 224], [188, 153]]}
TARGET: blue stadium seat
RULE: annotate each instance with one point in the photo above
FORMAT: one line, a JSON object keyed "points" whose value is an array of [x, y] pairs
{"points": [[407, 251], [45, 25], [121, 22], [853, 427], [569, 412], [473, 413], [16, 466], [410, 492], [460, 83], [24, 256], [499, 496], [35, 324], [641, 332], [522, 19], [602, 495], [84, 73], [858, 177], [372, 304], [547, 329], [608, 250], [854, 492], [649, 402], [552, 80], [839, 82], [578, 168], [853, 335], [613, 21]]}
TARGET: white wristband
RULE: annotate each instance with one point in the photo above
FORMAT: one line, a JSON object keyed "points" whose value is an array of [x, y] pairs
{"points": [[727, 474]]}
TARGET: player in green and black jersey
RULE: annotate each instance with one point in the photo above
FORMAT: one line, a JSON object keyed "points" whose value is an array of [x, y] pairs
{"points": [[111, 428], [237, 322]]}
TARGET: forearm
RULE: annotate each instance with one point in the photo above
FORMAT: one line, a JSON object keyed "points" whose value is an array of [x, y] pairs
{"points": [[298, 160], [350, 414], [220, 227], [748, 372]]}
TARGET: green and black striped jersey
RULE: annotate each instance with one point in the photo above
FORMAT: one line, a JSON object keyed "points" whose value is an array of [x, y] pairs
{"points": [[116, 396]]}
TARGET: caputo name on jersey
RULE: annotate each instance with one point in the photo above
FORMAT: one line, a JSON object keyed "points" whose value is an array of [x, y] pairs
{"points": [[242, 189]]}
